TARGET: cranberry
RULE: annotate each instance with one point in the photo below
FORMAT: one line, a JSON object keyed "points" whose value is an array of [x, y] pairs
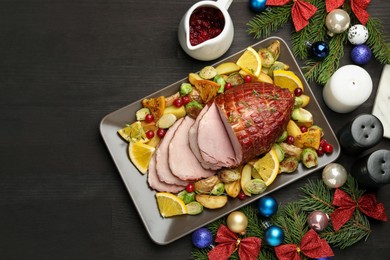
{"points": [[190, 187], [320, 150], [303, 129], [328, 148], [241, 195], [290, 139], [149, 134], [149, 118], [161, 132], [185, 100], [248, 79], [323, 142], [178, 102], [228, 86], [298, 92]]}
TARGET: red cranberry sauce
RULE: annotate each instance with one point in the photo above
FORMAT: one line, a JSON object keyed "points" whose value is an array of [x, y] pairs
{"points": [[205, 24]]}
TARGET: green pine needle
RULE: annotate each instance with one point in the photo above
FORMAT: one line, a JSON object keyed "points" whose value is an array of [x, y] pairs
{"points": [[269, 21]]}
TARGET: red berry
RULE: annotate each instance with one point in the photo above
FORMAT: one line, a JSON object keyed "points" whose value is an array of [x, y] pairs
{"points": [[241, 195], [303, 129], [190, 187], [323, 142], [185, 100], [178, 102], [328, 148], [149, 118], [161, 132], [248, 79], [228, 86], [320, 150], [149, 134], [290, 139], [298, 92]]}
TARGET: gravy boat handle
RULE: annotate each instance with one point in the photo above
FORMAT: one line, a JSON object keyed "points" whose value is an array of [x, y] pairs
{"points": [[225, 4]]}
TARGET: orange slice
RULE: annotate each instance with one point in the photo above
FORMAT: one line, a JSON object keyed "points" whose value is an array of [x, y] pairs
{"points": [[170, 205], [287, 79]]}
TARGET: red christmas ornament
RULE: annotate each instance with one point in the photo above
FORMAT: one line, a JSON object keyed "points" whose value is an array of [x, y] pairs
{"points": [[248, 248], [358, 8], [311, 246], [367, 204], [301, 11]]}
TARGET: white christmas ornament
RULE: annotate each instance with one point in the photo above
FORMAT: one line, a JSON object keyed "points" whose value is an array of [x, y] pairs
{"points": [[358, 34]]}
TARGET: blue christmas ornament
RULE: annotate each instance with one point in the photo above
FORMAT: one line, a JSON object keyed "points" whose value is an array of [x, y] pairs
{"points": [[258, 5], [202, 238], [274, 236], [323, 258], [267, 206], [319, 50], [361, 54]]}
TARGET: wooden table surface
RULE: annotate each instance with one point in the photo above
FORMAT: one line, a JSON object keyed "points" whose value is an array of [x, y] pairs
{"points": [[64, 65]]}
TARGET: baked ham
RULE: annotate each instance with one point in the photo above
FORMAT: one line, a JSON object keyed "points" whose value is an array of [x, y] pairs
{"points": [[255, 116], [235, 127]]}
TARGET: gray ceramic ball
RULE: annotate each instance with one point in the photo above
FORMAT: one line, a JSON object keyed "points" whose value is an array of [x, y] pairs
{"points": [[334, 175]]}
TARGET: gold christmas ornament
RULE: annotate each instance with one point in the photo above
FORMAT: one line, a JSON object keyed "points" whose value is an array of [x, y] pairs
{"points": [[237, 222]]}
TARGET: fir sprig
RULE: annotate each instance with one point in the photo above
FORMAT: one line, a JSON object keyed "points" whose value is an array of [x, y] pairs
{"points": [[269, 21], [377, 41], [292, 218], [313, 32], [275, 17]]}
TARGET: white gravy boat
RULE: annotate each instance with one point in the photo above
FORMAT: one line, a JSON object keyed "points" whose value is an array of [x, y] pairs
{"points": [[212, 48]]}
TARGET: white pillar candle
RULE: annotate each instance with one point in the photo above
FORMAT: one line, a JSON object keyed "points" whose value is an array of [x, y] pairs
{"points": [[349, 87]]}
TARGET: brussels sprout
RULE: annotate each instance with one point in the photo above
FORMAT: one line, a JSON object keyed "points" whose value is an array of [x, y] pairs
{"points": [[208, 72], [289, 165], [206, 185], [218, 189], [194, 208], [221, 81], [186, 196], [283, 137], [309, 157], [229, 175], [255, 186], [302, 117], [185, 89]]}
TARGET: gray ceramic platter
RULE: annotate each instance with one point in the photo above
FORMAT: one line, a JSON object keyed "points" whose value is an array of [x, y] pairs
{"points": [[163, 231]]}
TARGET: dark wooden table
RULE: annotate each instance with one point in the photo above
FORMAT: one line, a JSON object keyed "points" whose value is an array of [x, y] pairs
{"points": [[64, 65]]}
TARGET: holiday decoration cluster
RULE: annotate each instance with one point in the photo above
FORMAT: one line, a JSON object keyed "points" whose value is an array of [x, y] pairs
{"points": [[322, 29], [331, 213]]}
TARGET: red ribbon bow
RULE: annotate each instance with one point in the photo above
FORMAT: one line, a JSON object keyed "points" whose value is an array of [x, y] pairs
{"points": [[248, 248], [301, 11], [367, 204], [358, 8], [311, 246]]}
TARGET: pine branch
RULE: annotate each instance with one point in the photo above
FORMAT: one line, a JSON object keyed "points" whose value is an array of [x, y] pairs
{"points": [[317, 197], [377, 41], [322, 71], [269, 21], [313, 32]]}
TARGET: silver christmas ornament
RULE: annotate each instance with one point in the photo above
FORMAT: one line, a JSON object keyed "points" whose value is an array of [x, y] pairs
{"points": [[334, 175], [357, 34], [318, 220], [337, 21]]}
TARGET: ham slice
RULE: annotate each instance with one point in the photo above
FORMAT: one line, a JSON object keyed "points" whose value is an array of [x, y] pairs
{"points": [[182, 161], [154, 181], [164, 172], [213, 140], [193, 139], [255, 116]]}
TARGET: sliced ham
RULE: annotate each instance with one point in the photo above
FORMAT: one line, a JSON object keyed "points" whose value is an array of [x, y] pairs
{"points": [[254, 115], [156, 184], [213, 140], [193, 139], [182, 161], [164, 172]]}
